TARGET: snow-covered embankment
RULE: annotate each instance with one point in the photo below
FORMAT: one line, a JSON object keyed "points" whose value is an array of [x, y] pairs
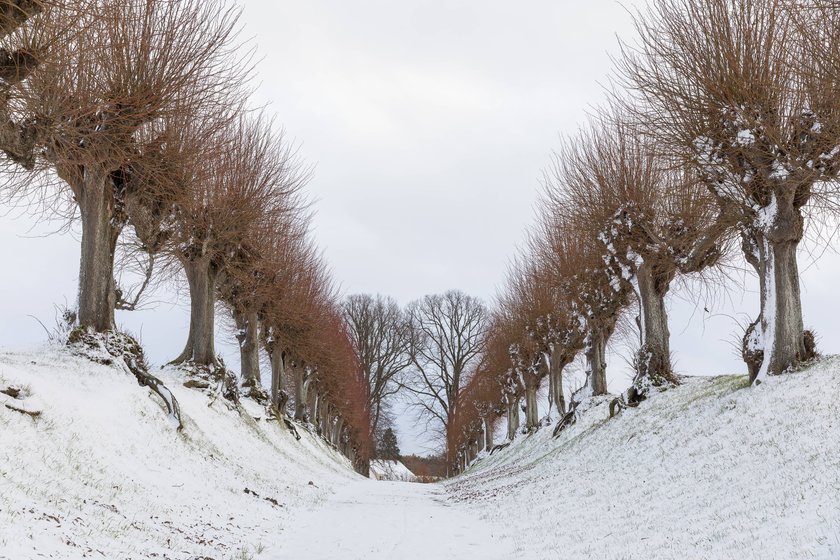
{"points": [[103, 473], [712, 469]]}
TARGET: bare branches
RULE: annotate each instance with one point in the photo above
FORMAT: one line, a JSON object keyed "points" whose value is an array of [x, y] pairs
{"points": [[448, 333], [381, 338]]}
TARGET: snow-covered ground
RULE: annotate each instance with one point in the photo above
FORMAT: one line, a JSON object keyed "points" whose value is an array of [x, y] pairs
{"points": [[367, 520], [102, 473], [713, 469]]}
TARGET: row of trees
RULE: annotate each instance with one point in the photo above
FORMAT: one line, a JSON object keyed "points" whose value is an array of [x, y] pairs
{"points": [[132, 116], [724, 130]]}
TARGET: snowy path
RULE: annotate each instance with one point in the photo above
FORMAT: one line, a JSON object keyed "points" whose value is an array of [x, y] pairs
{"points": [[390, 520]]}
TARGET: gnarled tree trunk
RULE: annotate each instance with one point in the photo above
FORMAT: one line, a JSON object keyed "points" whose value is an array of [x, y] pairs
{"points": [[595, 349], [556, 362], [512, 417], [776, 341], [249, 350], [653, 362], [279, 397], [532, 417], [301, 392]]}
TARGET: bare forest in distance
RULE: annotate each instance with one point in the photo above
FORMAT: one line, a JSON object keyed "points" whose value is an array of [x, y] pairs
{"points": [[718, 148]]}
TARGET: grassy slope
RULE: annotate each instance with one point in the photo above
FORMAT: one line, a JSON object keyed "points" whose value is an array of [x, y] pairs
{"points": [[713, 469]]}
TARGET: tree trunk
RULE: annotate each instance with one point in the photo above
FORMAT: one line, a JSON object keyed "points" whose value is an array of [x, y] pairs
{"points": [[312, 406], [595, 348], [337, 429], [97, 289], [653, 362], [249, 350], [556, 363], [278, 381], [324, 418], [777, 340], [200, 347], [781, 310], [488, 433], [513, 418], [301, 390], [532, 417]]}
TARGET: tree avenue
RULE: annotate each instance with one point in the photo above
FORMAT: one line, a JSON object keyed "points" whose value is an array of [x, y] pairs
{"points": [[134, 119]]}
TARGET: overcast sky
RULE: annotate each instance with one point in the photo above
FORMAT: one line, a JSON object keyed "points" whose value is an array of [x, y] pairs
{"points": [[428, 123]]}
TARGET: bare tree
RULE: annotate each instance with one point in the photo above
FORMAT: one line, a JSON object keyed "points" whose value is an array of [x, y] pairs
{"points": [[730, 98], [651, 222], [248, 181], [134, 64], [448, 336], [380, 334]]}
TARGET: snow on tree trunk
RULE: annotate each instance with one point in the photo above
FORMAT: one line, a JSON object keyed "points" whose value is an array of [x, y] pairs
{"points": [[595, 347], [556, 363], [488, 433], [200, 347], [532, 417], [776, 341], [249, 354], [97, 290], [653, 362]]}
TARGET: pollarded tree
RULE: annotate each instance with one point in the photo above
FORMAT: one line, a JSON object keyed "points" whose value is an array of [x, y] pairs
{"points": [[296, 267], [650, 218], [497, 363], [250, 286], [135, 64], [541, 305], [448, 335], [339, 386], [526, 357], [721, 84], [570, 259], [482, 398], [381, 337], [247, 183]]}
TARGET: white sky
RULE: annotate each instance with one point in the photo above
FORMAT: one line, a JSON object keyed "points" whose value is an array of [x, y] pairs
{"points": [[429, 123]]}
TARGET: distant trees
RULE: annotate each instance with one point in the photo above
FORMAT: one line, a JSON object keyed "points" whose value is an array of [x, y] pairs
{"points": [[448, 335], [388, 448], [381, 337]]}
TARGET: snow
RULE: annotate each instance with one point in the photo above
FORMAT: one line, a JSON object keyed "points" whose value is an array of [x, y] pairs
{"points": [[394, 521], [745, 137], [103, 473], [381, 469], [712, 469]]}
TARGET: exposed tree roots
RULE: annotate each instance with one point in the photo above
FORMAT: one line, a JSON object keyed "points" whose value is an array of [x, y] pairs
{"points": [[215, 378], [567, 420], [116, 348]]}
